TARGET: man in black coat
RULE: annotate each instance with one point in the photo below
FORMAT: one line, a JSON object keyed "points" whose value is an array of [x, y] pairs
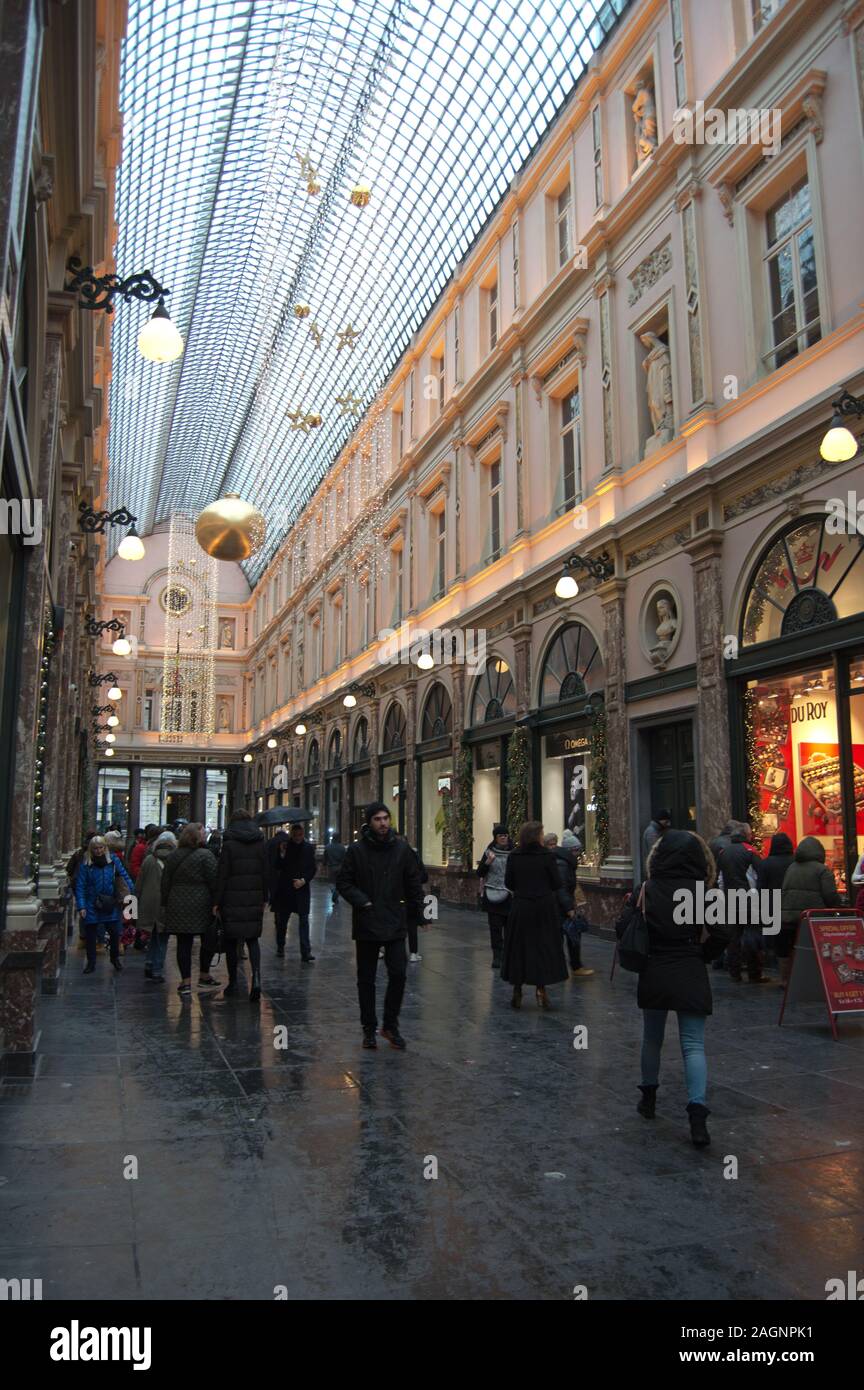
{"points": [[739, 865], [291, 868], [239, 895], [380, 878], [334, 857]]}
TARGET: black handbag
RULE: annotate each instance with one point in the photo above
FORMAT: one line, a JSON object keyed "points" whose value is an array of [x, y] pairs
{"points": [[632, 932], [107, 902]]}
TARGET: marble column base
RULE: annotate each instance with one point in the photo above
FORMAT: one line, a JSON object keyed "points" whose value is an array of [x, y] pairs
{"points": [[605, 899], [22, 950], [52, 932]]}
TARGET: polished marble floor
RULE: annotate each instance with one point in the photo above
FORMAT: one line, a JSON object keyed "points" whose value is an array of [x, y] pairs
{"points": [[302, 1167]]}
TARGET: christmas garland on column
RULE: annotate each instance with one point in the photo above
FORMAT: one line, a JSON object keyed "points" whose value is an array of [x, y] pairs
{"points": [[518, 771], [463, 828], [754, 765], [600, 784]]}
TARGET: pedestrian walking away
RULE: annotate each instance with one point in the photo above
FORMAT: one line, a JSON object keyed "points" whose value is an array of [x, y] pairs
{"points": [[241, 888], [496, 895], [334, 857], [98, 895], [674, 977], [738, 869], [533, 945], [148, 891], [187, 887], [290, 869], [380, 878], [567, 863], [770, 875], [657, 826]]}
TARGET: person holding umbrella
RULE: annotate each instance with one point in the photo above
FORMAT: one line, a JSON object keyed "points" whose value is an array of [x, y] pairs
{"points": [[291, 867]]}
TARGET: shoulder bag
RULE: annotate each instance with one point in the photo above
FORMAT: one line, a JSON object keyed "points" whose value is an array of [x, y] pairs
{"points": [[632, 932]]}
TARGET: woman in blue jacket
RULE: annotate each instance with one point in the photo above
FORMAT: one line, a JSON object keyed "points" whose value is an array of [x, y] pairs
{"points": [[98, 900]]}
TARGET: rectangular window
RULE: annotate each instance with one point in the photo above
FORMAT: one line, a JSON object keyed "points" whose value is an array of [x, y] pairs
{"points": [[398, 567], [598, 156], [149, 710], [399, 432], [515, 250], [439, 372], [562, 226], [456, 346], [441, 559], [411, 405], [492, 292], [495, 509], [762, 11], [367, 612], [337, 633], [790, 263], [678, 52], [570, 461]]}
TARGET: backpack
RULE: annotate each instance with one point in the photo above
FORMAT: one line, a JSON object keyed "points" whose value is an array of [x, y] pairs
{"points": [[632, 932]]}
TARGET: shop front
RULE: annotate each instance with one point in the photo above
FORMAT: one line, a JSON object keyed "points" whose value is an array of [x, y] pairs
{"points": [[333, 787], [797, 694], [491, 721], [571, 690], [360, 789], [312, 790], [435, 778], [391, 782]]}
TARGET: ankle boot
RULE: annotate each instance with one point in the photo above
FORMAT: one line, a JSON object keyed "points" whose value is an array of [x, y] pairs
{"points": [[516, 1001], [255, 991], [698, 1129], [648, 1102]]}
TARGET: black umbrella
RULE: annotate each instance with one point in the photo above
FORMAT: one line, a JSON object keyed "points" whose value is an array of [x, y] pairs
{"points": [[283, 815]]}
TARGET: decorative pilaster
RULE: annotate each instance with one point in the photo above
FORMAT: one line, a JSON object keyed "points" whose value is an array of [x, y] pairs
{"points": [[686, 201], [618, 868], [602, 288], [713, 779], [411, 827], [522, 676]]}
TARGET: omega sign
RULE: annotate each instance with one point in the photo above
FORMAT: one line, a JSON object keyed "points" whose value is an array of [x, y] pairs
{"points": [[566, 745], [812, 710]]}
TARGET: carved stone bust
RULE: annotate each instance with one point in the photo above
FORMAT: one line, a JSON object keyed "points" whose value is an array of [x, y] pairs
{"points": [[660, 627], [645, 120]]}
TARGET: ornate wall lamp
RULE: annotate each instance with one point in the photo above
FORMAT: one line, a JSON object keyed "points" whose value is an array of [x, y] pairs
{"points": [[357, 688], [603, 567], [131, 547], [121, 646], [839, 443], [158, 340]]}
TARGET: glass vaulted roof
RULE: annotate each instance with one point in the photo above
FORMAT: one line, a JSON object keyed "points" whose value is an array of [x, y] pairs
{"points": [[435, 104]]}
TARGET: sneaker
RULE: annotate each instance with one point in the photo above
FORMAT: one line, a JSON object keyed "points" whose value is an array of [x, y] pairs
{"points": [[208, 980], [414, 957], [369, 1039], [206, 986], [395, 1038], [582, 973], [185, 991]]}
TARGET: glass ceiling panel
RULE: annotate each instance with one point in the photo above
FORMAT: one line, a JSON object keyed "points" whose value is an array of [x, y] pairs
{"points": [[436, 103]]}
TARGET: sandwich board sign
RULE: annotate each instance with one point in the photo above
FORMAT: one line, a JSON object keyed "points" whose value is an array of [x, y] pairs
{"points": [[828, 963]]}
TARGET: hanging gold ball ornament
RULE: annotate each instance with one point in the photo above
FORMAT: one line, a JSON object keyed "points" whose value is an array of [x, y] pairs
{"points": [[301, 311], [361, 193], [313, 421], [230, 529]]}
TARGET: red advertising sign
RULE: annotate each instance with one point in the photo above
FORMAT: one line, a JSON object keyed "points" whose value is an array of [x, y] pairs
{"points": [[828, 963]]}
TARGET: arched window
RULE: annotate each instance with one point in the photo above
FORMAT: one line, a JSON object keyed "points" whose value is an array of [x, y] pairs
{"points": [[361, 740], [437, 714], [494, 694], [394, 729], [806, 578], [313, 759], [573, 667], [334, 751]]}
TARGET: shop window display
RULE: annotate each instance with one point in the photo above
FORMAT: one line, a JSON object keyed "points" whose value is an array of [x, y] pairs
{"points": [[808, 577], [795, 762]]}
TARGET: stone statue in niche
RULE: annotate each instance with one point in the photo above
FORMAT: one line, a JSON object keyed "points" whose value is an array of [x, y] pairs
{"points": [[658, 365], [666, 630], [645, 120], [226, 636], [223, 724]]}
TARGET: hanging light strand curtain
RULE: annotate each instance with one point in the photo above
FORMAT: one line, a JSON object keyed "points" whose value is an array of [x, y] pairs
{"points": [[191, 622]]}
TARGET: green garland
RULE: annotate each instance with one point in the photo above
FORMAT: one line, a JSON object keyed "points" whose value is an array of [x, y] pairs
{"points": [[753, 791], [518, 771], [600, 784], [463, 811]]}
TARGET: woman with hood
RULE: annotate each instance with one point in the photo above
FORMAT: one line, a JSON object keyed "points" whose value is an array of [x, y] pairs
{"points": [[674, 976], [148, 890], [187, 899], [96, 895], [770, 874], [496, 897], [807, 883], [240, 894], [533, 942]]}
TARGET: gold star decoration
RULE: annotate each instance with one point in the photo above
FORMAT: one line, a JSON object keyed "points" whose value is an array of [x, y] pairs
{"points": [[303, 420], [315, 334], [350, 404], [309, 173], [347, 338]]}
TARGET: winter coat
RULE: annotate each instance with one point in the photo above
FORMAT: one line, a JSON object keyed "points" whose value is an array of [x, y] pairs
{"points": [[734, 862], [148, 886], [214, 844], [299, 862], [808, 883], [675, 976], [772, 869], [136, 858], [107, 879], [334, 855], [385, 874], [241, 881], [650, 835], [494, 875], [188, 879], [566, 863], [415, 920], [533, 942]]}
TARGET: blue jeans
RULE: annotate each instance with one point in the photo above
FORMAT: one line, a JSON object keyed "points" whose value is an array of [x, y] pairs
{"points": [[157, 948], [691, 1033]]}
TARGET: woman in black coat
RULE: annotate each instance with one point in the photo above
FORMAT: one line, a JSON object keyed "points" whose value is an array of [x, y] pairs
{"points": [[186, 889], [290, 869], [675, 976], [533, 949], [240, 893], [770, 874]]}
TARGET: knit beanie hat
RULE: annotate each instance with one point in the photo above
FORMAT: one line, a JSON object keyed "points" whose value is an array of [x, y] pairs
{"points": [[499, 829], [374, 807], [570, 841]]}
